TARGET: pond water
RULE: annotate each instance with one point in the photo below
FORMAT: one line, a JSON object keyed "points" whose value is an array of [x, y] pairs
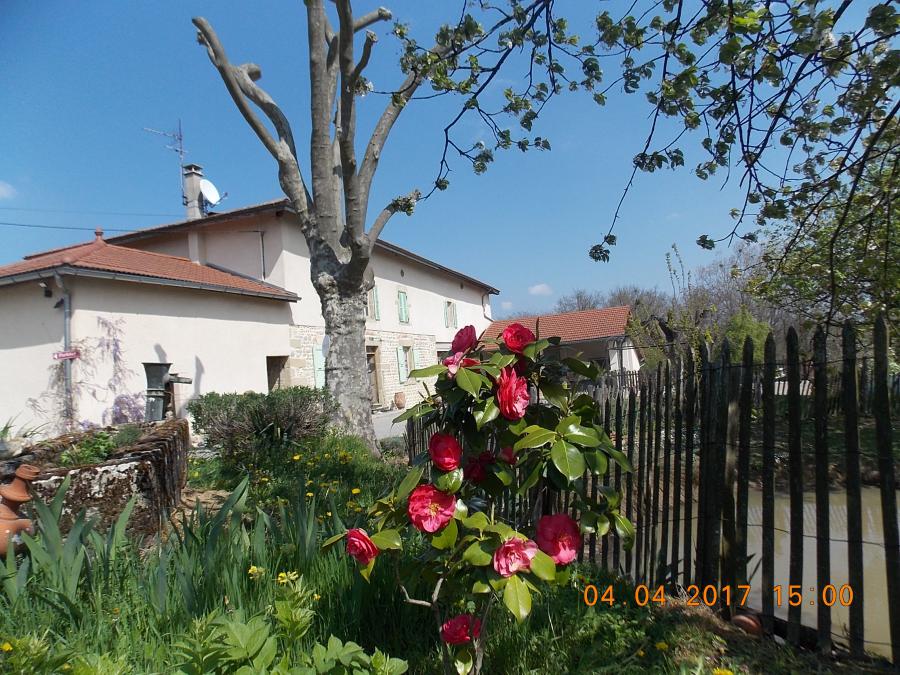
{"points": [[873, 593]]}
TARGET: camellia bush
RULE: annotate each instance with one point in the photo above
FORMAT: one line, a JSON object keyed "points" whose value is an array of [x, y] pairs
{"points": [[508, 427]]}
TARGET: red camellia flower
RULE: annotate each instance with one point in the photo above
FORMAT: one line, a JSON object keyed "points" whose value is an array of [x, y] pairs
{"points": [[476, 467], [512, 394], [360, 546], [445, 451], [461, 630], [456, 361], [514, 555], [559, 537], [516, 336], [508, 455], [429, 509], [464, 340]]}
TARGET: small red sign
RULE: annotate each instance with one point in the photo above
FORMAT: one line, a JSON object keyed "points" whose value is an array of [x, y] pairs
{"points": [[66, 356]]}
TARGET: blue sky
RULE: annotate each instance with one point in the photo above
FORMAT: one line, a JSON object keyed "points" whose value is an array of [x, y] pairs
{"points": [[82, 80]]}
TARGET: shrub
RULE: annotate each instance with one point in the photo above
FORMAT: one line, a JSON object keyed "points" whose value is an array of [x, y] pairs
{"points": [[255, 430], [92, 449]]}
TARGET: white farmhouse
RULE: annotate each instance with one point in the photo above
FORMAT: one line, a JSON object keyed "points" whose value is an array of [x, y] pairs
{"points": [[226, 298]]}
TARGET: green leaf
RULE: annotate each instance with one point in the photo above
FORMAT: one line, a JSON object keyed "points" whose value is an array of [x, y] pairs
{"points": [[556, 394], [584, 436], [531, 351], [477, 521], [463, 661], [502, 360], [568, 424], [417, 410], [446, 538], [367, 570], [517, 598], [477, 556], [531, 481], [620, 459], [518, 427], [583, 368], [568, 459], [428, 371], [331, 541], [486, 413], [624, 528], [481, 587], [409, 482], [469, 381], [504, 474], [596, 461], [387, 540], [489, 369], [449, 482], [543, 567], [535, 439]]}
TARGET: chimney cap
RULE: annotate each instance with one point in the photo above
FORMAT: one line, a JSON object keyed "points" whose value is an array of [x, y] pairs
{"points": [[192, 168], [98, 233]]}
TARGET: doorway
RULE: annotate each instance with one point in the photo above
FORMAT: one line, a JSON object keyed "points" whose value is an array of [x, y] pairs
{"points": [[372, 367], [276, 371]]}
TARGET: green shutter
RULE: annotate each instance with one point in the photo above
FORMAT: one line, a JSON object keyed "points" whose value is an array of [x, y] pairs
{"points": [[413, 361], [319, 367], [402, 368], [377, 313], [403, 307], [447, 315]]}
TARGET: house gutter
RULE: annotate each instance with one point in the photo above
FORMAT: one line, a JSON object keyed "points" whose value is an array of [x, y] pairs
{"points": [[67, 346]]}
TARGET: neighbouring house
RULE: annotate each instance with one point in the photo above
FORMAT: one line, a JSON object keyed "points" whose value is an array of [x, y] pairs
{"points": [[226, 298], [598, 335]]}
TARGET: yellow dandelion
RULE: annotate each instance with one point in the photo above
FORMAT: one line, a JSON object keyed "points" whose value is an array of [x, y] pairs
{"points": [[662, 646], [327, 455], [296, 458], [6, 647], [309, 494], [255, 572], [355, 491], [722, 671], [317, 597], [640, 653], [264, 479], [328, 513], [309, 482], [115, 610]]}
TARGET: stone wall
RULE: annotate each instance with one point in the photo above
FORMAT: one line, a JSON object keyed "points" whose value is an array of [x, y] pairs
{"points": [[154, 469], [305, 339]]}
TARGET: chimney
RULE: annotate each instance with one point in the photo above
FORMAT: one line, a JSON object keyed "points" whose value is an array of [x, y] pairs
{"points": [[193, 200]]}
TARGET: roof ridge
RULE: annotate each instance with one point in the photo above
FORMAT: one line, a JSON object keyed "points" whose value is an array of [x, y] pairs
{"points": [[574, 311]]}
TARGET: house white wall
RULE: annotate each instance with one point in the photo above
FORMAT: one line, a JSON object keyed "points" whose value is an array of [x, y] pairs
{"points": [[31, 330], [628, 354]]}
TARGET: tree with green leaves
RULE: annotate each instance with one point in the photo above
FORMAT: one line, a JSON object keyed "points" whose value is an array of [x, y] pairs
{"points": [[802, 85]]}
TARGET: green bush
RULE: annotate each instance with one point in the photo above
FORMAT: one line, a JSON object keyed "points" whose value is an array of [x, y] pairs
{"points": [[254, 431], [91, 449]]}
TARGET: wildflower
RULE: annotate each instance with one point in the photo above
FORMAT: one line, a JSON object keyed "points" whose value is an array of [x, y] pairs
{"points": [[309, 482], [316, 597], [640, 653], [264, 479], [309, 494], [6, 647], [115, 610], [255, 572], [328, 513], [296, 458], [662, 646], [327, 455], [722, 671], [285, 577]]}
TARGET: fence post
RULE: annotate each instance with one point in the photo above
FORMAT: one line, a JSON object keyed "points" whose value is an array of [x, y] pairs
{"points": [[667, 452], [604, 542], [703, 482], [768, 485], [881, 409], [676, 498], [743, 465], [731, 379], [657, 442], [629, 478], [854, 499], [795, 480], [690, 406], [823, 533], [641, 491], [617, 480]]}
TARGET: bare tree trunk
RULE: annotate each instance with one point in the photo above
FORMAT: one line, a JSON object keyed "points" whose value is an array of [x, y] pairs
{"points": [[346, 371]]}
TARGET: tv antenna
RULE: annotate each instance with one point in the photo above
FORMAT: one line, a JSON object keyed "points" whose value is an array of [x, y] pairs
{"points": [[177, 146]]}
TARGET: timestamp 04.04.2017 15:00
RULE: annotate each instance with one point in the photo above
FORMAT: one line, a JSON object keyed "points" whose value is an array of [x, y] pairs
{"points": [[694, 596]]}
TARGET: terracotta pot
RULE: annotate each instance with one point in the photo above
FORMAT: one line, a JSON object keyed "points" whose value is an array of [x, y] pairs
{"points": [[14, 494], [400, 399], [749, 623]]}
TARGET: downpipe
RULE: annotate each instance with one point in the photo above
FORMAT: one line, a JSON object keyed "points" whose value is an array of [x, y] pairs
{"points": [[67, 346]]}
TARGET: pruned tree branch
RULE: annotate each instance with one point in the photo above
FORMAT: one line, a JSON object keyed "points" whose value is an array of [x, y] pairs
{"points": [[366, 20], [405, 204]]}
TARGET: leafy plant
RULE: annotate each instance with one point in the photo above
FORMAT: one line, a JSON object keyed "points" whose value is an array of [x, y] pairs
{"points": [[92, 449]]}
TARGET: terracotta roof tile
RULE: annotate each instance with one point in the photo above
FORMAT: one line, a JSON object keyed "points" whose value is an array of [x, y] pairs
{"points": [[101, 256], [589, 324]]}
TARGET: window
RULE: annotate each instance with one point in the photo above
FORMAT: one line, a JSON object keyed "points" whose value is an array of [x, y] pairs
{"points": [[277, 371], [450, 314], [373, 311], [406, 362], [402, 307]]}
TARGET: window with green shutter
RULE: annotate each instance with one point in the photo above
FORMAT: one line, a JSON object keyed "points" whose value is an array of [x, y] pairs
{"points": [[402, 307], [319, 367], [373, 311], [402, 365]]}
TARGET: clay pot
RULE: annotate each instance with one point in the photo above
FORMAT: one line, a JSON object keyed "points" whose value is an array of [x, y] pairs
{"points": [[15, 494], [749, 623], [400, 399]]}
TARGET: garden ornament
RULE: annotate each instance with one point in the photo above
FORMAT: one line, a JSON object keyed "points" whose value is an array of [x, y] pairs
{"points": [[14, 494]]}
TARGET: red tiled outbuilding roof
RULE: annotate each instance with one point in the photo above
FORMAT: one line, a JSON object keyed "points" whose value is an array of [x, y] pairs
{"points": [[588, 324], [100, 259]]}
